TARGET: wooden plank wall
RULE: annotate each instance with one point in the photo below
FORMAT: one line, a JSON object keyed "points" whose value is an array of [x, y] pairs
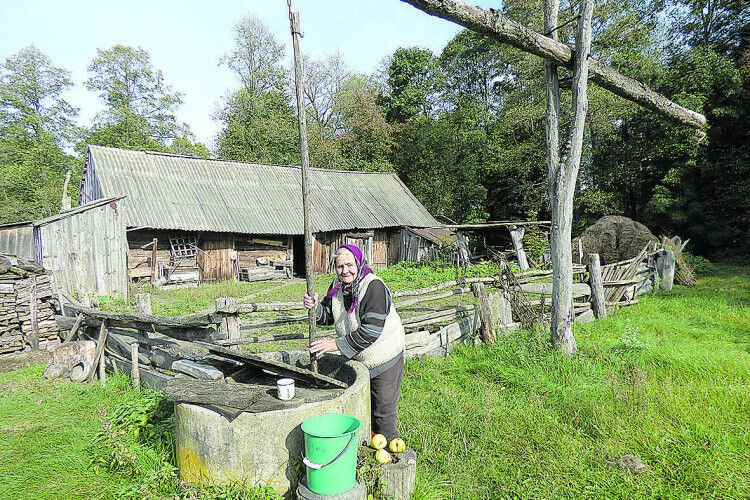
{"points": [[18, 241], [272, 248], [87, 251], [378, 253]]}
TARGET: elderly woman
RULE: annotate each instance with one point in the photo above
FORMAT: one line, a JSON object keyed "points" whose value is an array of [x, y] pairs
{"points": [[369, 330]]}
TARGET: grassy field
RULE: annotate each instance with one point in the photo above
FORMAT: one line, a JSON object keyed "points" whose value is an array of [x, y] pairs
{"points": [[666, 381]]}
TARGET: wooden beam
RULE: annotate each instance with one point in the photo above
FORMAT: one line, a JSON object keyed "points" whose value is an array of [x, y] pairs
{"points": [[493, 24]]}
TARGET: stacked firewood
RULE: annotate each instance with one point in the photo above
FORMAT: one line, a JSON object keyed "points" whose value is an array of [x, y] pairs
{"points": [[27, 306]]}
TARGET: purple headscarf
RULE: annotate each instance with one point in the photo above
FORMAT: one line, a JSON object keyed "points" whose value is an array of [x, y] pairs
{"points": [[353, 288]]}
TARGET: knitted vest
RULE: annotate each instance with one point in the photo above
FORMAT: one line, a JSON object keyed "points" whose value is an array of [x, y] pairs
{"points": [[391, 342]]}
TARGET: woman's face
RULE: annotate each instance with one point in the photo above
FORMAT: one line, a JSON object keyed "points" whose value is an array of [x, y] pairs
{"points": [[346, 267]]}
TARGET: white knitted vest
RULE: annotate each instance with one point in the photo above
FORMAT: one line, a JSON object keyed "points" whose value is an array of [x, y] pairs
{"points": [[391, 341]]}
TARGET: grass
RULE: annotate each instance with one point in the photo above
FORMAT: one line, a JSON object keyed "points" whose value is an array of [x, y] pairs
{"points": [[667, 381]]}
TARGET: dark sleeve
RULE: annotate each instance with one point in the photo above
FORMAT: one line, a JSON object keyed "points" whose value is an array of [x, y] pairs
{"points": [[324, 312], [373, 309]]}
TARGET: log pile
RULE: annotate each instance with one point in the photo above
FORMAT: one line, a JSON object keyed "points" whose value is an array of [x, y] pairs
{"points": [[27, 307]]}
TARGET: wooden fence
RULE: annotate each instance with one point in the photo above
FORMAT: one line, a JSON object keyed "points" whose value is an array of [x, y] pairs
{"points": [[435, 318]]}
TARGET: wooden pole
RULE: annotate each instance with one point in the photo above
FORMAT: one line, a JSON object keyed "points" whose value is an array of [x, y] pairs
{"points": [[135, 370], [299, 84], [488, 328], [597, 286], [154, 243]]}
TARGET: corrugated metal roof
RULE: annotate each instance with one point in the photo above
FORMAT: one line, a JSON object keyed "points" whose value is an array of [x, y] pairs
{"points": [[177, 192]]}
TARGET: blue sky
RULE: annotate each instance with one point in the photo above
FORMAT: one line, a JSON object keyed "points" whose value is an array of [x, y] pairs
{"points": [[186, 39]]}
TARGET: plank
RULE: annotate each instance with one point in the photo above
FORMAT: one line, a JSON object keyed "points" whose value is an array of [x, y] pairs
{"points": [[273, 366], [212, 393]]}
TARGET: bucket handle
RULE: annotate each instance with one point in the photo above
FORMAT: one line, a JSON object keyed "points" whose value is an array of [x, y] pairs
{"points": [[315, 466]]}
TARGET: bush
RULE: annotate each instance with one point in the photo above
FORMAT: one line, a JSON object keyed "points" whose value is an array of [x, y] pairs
{"points": [[701, 266]]}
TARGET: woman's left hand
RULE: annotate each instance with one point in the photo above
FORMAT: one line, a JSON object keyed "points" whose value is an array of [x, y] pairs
{"points": [[322, 346]]}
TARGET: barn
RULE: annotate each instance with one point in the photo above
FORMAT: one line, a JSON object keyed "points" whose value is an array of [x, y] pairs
{"points": [[205, 219], [84, 248]]}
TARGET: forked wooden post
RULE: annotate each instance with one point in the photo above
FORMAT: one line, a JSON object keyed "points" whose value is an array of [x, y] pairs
{"points": [[597, 286], [516, 234], [294, 25], [485, 315]]}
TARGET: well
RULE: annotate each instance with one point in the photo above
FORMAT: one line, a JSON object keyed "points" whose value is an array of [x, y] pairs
{"points": [[265, 448]]}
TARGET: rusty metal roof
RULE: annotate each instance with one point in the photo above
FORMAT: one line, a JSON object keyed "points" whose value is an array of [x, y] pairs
{"points": [[177, 192]]}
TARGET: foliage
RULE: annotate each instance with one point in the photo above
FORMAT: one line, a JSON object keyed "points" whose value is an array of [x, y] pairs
{"points": [[139, 106], [413, 79], [700, 266], [256, 57], [36, 123], [260, 128]]}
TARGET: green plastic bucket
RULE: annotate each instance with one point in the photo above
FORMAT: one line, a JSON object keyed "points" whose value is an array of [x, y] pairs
{"points": [[331, 452]]}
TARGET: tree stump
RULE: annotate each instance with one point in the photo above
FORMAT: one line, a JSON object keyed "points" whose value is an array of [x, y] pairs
{"points": [[143, 303], [665, 266], [597, 286], [397, 479]]}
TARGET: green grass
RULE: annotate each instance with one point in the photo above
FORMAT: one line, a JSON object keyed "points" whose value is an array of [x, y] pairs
{"points": [[667, 380]]}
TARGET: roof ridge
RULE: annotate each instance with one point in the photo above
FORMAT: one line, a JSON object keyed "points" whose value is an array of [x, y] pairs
{"points": [[255, 163]]}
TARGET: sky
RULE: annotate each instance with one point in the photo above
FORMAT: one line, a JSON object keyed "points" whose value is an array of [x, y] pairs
{"points": [[186, 39]]}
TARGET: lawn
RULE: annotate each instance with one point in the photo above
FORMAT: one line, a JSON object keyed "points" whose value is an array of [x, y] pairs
{"points": [[664, 384]]}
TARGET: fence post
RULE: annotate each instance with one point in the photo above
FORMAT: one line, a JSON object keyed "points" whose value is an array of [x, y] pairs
{"points": [[229, 328], [665, 266], [143, 303], [598, 304], [103, 369], [516, 234], [485, 315]]}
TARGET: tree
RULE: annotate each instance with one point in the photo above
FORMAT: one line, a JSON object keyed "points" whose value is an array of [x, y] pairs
{"points": [[324, 80], [35, 122], [31, 97], [258, 128], [139, 105], [414, 79], [256, 57]]}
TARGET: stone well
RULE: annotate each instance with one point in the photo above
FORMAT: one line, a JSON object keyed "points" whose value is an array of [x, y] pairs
{"points": [[214, 446]]}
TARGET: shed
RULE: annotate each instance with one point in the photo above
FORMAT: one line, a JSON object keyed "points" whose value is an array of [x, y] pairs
{"points": [[84, 247], [227, 218]]}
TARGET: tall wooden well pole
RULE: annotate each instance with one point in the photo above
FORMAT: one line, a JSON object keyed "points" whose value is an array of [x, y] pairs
{"points": [[299, 85]]}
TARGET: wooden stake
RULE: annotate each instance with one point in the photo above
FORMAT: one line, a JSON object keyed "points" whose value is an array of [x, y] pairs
{"points": [[488, 328], [154, 243], [74, 330], [597, 286], [101, 341], [296, 30], [135, 370], [103, 369]]}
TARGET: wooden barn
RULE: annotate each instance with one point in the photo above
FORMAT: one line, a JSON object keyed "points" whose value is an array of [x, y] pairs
{"points": [[190, 218], [84, 248]]}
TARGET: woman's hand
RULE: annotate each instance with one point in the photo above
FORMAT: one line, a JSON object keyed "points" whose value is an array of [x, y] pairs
{"points": [[310, 303], [322, 346]]}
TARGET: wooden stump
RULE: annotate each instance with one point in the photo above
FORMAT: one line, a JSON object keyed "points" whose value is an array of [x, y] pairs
{"points": [[229, 328], [143, 303], [135, 371], [516, 234], [397, 479]]}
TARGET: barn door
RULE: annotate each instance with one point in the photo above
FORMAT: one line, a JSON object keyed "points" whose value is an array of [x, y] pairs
{"points": [[218, 259], [363, 241]]}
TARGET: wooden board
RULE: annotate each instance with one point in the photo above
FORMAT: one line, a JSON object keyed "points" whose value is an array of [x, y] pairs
{"points": [[277, 367], [237, 396]]}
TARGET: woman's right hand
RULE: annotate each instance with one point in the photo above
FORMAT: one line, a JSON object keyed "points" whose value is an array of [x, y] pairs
{"points": [[310, 303]]}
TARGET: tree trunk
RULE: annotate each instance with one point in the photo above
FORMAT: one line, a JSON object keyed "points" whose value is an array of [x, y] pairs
{"points": [[499, 27], [562, 182]]}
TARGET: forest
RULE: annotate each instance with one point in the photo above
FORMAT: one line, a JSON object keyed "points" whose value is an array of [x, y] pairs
{"points": [[463, 128]]}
